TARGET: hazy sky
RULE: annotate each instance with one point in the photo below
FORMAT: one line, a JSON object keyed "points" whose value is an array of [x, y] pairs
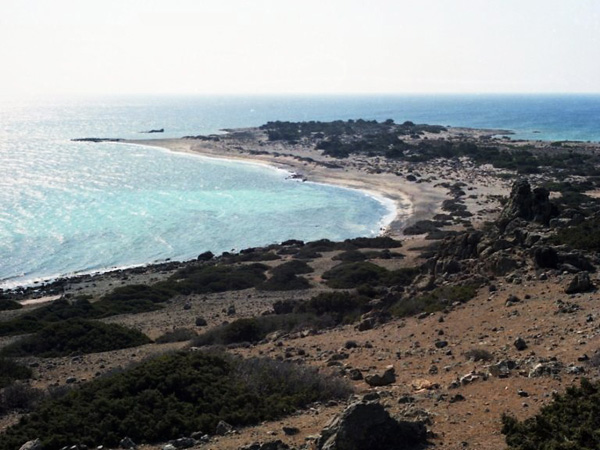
{"points": [[299, 46]]}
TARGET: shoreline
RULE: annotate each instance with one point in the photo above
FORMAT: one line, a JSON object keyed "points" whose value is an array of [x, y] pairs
{"points": [[411, 202]]}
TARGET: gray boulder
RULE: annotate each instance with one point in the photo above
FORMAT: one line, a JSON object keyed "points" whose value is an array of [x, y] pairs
{"points": [[272, 445], [384, 379], [368, 426], [36, 444], [580, 283]]}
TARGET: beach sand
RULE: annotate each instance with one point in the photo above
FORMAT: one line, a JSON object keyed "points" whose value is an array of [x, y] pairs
{"points": [[413, 200]]}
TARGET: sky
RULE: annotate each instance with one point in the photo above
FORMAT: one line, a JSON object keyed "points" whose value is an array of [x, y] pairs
{"points": [[299, 46]]}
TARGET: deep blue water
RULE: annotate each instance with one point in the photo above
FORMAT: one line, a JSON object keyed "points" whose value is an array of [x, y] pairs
{"points": [[74, 207]]}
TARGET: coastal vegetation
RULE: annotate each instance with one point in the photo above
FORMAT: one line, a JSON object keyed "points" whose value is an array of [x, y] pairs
{"points": [[324, 310], [571, 421], [74, 337], [171, 396], [340, 139], [10, 371], [436, 300], [354, 274]]}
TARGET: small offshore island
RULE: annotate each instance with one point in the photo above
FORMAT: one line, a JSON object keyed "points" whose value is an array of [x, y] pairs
{"points": [[452, 329]]}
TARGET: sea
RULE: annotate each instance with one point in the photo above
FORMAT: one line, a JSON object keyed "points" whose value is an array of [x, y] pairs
{"points": [[69, 208]]}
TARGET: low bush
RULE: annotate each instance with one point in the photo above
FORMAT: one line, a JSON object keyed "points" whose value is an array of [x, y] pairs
{"points": [[177, 335], [585, 236], [205, 279], [255, 329], [11, 370], [19, 397], [76, 336], [350, 256], [570, 422], [7, 305], [479, 354], [171, 396], [354, 274], [284, 277], [433, 301]]}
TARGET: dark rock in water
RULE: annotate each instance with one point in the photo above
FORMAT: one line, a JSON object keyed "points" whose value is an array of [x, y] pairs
{"points": [[159, 130], [523, 203], [368, 426], [93, 139], [206, 256], [580, 283]]}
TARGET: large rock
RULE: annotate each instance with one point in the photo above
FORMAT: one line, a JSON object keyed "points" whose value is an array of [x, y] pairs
{"points": [[545, 257], [580, 283], [36, 444], [272, 445], [523, 203], [387, 377], [368, 426]]}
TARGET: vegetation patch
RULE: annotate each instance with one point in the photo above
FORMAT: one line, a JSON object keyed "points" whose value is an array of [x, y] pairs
{"points": [[284, 277], [355, 274], [10, 371], [585, 236], [255, 329], [433, 301], [7, 305], [205, 279], [177, 335], [570, 422], [171, 396], [76, 336]]}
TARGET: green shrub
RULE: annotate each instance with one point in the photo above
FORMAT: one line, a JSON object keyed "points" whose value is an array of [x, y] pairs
{"points": [[585, 236], [570, 422], [123, 300], [76, 336], [177, 335], [11, 370], [284, 277], [351, 275], [7, 305], [19, 397], [354, 274], [350, 256], [433, 301], [206, 279], [171, 396], [257, 328]]}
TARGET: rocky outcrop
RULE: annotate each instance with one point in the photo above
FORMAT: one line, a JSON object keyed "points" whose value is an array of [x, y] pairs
{"points": [[384, 379], [368, 426], [580, 283], [531, 206], [36, 444]]}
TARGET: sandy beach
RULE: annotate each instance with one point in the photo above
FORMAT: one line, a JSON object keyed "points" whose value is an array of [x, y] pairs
{"points": [[414, 200]]}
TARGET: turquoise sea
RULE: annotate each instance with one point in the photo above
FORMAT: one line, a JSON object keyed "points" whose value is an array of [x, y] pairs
{"points": [[68, 208]]}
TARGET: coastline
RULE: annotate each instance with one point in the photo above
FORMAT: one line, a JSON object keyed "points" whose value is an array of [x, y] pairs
{"points": [[411, 202]]}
